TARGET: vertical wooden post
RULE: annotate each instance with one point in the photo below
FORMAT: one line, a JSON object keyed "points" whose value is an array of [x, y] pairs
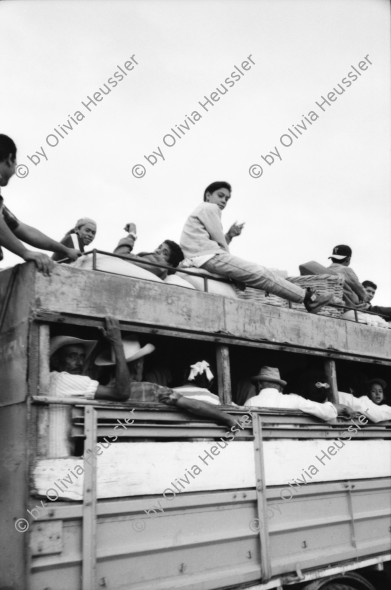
{"points": [[89, 500], [261, 524], [44, 358], [223, 373], [42, 412], [331, 374], [140, 369]]}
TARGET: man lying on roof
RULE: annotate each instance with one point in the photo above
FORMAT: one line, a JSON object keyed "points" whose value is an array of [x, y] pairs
{"points": [[167, 253]]}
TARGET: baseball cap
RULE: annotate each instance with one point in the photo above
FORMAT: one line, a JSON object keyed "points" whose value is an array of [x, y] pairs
{"points": [[340, 252]]}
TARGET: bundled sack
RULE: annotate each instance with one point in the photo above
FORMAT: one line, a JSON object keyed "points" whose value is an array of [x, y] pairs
{"points": [[114, 265], [215, 287], [366, 318]]}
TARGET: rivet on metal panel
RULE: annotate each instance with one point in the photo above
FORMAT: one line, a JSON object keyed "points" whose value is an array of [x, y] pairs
{"points": [[39, 528], [102, 583], [234, 496], [249, 554], [182, 568], [244, 495], [51, 514], [304, 544], [259, 488]]}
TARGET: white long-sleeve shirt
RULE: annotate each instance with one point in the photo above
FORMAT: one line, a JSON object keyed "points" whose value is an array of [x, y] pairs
{"points": [[365, 406], [202, 234], [272, 398]]}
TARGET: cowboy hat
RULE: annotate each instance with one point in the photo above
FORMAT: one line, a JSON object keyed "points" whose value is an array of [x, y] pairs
{"points": [[271, 374], [132, 351], [58, 342]]}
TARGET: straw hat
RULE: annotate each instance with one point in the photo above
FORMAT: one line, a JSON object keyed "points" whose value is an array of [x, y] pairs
{"points": [[132, 351], [58, 342], [271, 374]]}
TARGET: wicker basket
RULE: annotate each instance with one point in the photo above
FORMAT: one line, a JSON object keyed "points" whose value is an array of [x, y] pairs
{"points": [[322, 283]]}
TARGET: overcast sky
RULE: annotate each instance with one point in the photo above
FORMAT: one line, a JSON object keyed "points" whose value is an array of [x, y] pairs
{"points": [[331, 186]]}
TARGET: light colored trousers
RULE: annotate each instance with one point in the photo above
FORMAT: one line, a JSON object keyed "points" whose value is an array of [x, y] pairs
{"points": [[253, 275]]}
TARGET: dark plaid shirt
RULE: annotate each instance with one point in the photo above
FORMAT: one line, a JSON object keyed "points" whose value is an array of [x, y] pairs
{"points": [[9, 218]]}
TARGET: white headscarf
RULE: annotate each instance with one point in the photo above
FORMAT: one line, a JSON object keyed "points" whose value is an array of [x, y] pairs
{"points": [[200, 368], [84, 221]]}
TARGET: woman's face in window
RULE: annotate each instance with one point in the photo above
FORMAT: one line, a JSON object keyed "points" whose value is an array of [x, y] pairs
{"points": [[376, 393]]}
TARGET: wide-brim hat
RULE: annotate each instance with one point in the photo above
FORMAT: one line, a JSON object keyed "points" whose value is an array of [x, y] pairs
{"points": [[271, 374], [376, 380], [58, 342], [132, 350]]}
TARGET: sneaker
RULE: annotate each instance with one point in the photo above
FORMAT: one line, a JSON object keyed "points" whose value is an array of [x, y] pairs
{"points": [[313, 302]]}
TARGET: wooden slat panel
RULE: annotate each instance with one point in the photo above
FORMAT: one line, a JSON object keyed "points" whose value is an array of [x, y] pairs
{"points": [[128, 469], [96, 294], [68, 291], [213, 528]]}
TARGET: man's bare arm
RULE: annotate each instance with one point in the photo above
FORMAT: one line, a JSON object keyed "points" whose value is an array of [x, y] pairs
{"points": [[36, 238], [199, 408], [121, 390], [11, 242]]}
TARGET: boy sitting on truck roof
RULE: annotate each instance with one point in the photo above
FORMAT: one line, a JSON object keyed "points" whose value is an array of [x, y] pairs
{"points": [[205, 245]]}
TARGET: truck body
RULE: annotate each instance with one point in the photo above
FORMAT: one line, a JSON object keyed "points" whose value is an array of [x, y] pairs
{"points": [[173, 501]]}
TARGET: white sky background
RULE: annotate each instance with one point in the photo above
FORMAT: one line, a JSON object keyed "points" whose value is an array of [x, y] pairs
{"points": [[332, 185]]}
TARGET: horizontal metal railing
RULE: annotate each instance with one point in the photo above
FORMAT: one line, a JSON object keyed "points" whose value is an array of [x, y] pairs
{"points": [[206, 277]]}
